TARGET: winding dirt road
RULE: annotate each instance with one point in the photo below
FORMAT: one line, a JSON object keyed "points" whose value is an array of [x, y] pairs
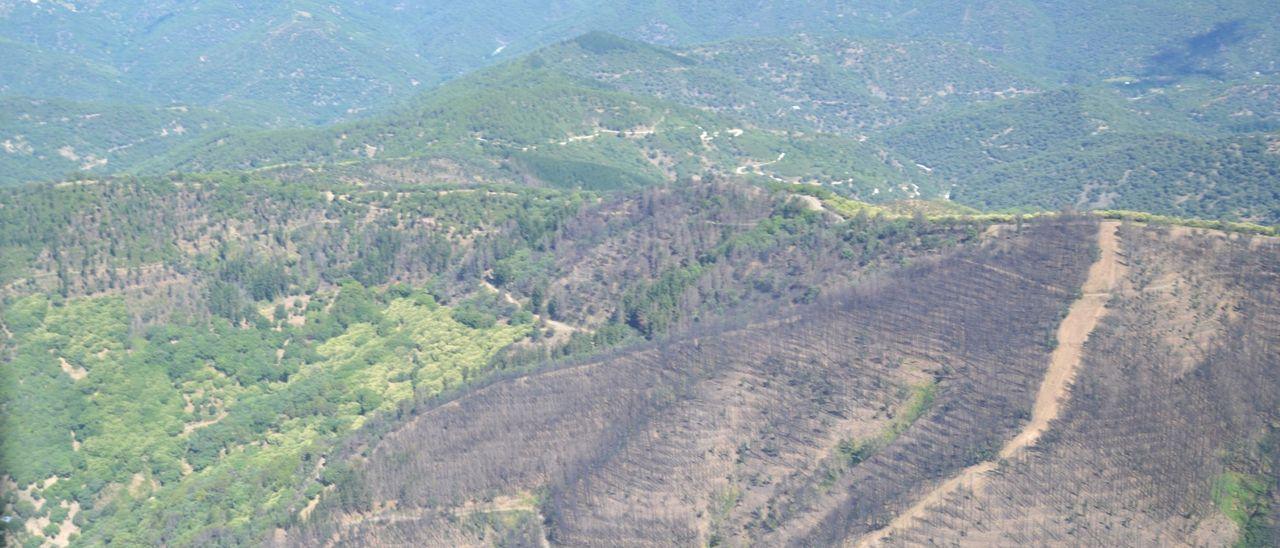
{"points": [[1081, 319]]}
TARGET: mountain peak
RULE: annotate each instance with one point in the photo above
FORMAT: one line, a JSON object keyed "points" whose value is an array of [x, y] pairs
{"points": [[604, 43]]}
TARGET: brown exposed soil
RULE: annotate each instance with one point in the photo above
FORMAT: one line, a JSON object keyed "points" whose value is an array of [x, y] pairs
{"points": [[193, 426], [76, 373], [1072, 334]]}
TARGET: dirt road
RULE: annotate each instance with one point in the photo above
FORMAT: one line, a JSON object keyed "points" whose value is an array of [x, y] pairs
{"points": [[1081, 319]]}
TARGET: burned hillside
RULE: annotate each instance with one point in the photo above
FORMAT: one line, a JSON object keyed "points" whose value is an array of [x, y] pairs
{"points": [[775, 429], [1169, 435]]}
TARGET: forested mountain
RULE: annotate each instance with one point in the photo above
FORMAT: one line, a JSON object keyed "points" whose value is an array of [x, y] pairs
{"points": [[875, 120], [848, 67], [781, 273], [54, 137], [1095, 151], [323, 59], [890, 99], [533, 121], [834, 85]]}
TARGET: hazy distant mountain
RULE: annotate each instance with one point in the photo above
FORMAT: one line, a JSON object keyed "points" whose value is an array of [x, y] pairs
{"points": [[314, 61]]}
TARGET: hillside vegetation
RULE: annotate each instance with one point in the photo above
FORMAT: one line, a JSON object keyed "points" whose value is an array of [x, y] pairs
{"points": [[41, 138], [531, 122], [1071, 149], [740, 273], [873, 120], [744, 366], [834, 85], [321, 60], [193, 333], [1155, 106]]}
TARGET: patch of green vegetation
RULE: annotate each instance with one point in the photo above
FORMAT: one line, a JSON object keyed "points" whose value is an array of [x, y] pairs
{"points": [[918, 403], [949, 211], [849, 453], [1246, 500], [591, 174], [1227, 226], [722, 504], [172, 434], [931, 209], [840, 205], [600, 43]]}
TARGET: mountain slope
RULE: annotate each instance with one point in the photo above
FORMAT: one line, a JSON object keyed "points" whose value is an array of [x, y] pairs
{"points": [[603, 112], [41, 139], [163, 340], [826, 426], [1200, 469], [835, 85], [32, 72], [1229, 178], [1072, 148], [306, 61], [529, 119], [386, 272], [319, 61]]}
